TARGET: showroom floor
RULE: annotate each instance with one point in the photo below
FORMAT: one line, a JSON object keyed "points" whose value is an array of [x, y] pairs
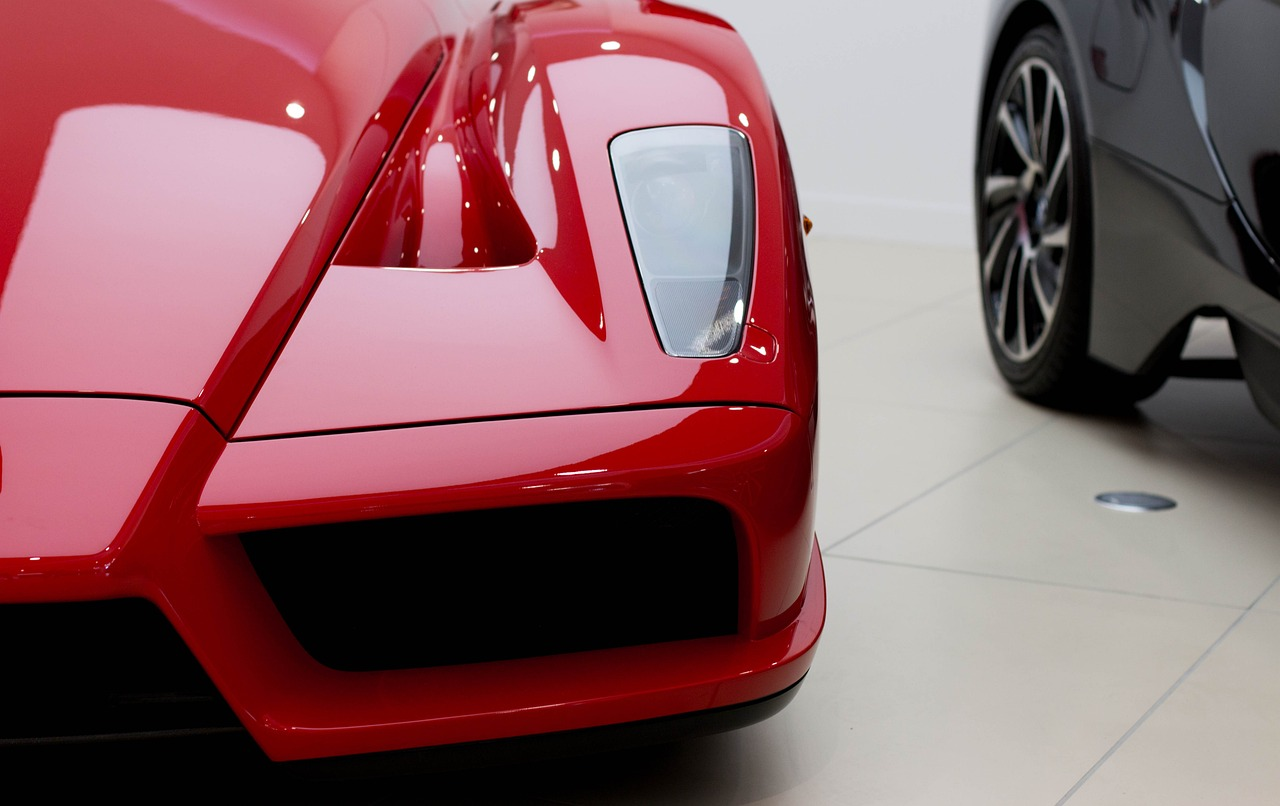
{"points": [[994, 636]]}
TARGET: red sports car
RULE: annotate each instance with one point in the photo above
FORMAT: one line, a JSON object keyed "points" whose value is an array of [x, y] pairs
{"points": [[379, 375]]}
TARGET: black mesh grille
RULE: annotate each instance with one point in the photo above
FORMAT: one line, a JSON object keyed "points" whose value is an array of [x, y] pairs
{"points": [[499, 584], [75, 671]]}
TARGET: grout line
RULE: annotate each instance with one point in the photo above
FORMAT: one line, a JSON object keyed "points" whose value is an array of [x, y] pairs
{"points": [[982, 460], [932, 408], [1164, 697], [1031, 581], [918, 310]]}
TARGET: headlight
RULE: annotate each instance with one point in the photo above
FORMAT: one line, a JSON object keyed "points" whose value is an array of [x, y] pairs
{"points": [[688, 198]]}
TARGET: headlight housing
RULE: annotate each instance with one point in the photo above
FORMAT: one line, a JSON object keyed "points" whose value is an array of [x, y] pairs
{"points": [[688, 199]]}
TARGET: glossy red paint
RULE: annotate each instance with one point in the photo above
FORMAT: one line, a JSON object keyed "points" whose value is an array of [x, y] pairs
{"points": [[568, 330], [219, 318], [164, 215], [101, 459], [757, 462], [74, 471]]}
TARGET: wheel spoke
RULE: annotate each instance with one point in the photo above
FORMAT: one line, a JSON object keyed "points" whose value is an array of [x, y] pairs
{"points": [[998, 189], [1017, 135], [1052, 103], [1029, 112], [994, 250], [1047, 305], [1021, 347], [1006, 285], [1059, 170], [1057, 236]]}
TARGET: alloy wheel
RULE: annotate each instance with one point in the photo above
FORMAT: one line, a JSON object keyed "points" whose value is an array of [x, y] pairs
{"points": [[1026, 209]]}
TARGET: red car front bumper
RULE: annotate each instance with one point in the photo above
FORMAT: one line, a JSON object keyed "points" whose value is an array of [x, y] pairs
{"points": [[179, 545]]}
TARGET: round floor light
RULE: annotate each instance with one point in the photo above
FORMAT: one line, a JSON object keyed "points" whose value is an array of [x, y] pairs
{"points": [[1135, 502]]}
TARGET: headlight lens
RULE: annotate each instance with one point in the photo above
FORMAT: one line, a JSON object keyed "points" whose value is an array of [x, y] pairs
{"points": [[688, 198]]}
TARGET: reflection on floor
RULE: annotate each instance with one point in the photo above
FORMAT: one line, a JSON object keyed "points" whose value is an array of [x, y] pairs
{"points": [[994, 636]]}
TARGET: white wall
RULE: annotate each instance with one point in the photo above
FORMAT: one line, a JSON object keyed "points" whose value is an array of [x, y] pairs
{"points": [[878, 103]]}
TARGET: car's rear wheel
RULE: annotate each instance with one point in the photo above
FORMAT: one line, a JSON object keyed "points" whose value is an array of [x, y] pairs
{"points": [[1034, 225]]}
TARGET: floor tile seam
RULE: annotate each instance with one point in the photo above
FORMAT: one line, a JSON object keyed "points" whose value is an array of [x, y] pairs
{"points": [[854, 295], [911, 313], [932, 408], [1049, 583], [888, 242], [944, 482], [1163, 698]]}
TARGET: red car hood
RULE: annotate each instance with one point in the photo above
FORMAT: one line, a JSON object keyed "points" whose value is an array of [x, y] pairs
{"points": [[490, 274], [174, 194], [159, 160]]}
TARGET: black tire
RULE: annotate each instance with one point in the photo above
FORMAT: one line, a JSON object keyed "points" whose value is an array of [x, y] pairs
{"points": [[1034, 219]]}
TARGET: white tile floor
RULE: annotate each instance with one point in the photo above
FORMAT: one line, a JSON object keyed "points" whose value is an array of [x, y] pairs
{"points": [[994, 636]]}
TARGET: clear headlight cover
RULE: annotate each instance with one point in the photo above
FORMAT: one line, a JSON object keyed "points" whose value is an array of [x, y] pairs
{"points": [[688, 198]]}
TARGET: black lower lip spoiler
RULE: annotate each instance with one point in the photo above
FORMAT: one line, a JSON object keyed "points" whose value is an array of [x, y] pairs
{"points": [[547, 746]]}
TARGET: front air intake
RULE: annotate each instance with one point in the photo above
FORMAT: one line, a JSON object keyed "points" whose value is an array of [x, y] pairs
{"points": [[469, 587], [88, 671]]}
